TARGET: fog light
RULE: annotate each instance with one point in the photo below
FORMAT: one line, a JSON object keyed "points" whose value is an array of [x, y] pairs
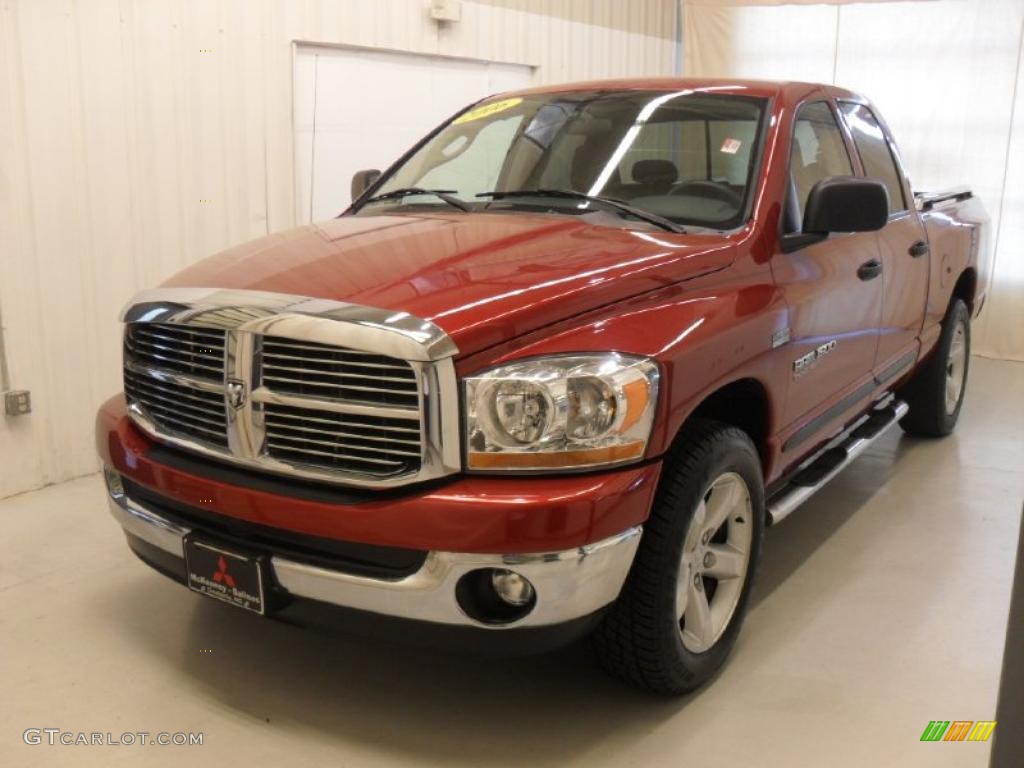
{"points": [[495, 595], [511, 587], [114, 484]]}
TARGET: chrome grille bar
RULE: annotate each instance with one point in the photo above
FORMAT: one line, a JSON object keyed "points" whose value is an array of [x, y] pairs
{"points": [[370, 437], [318, 370], [332, 438], [177, 409], [348, 363], [192, 351]]}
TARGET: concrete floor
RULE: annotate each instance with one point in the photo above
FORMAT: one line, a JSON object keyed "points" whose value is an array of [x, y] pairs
{"points": [[880, 605]]}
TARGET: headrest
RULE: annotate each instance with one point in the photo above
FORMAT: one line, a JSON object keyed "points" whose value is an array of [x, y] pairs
{"points": [[655, 171]]}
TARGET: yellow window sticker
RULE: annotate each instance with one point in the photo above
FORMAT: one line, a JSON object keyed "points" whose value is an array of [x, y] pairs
{"points": [[486, 110]]}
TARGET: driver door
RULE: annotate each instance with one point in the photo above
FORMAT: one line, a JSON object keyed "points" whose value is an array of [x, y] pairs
{"points": [[835, 304]]}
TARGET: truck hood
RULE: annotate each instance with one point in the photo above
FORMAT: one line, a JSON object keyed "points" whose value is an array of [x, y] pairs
{"points": [[484, 278]]}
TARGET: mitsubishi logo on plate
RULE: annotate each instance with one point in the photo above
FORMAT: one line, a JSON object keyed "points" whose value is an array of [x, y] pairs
{"points": [[236, 393], [222, 575]]}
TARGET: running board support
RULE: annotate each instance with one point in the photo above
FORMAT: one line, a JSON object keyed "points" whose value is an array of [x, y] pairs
{"points": [[811, 478]]}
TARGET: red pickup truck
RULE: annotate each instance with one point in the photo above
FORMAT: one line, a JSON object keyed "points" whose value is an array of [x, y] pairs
{"points": [[552, 373]]}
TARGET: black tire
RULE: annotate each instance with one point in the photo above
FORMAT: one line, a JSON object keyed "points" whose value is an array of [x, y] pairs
{"points": [[925, 393], [640, 639]]}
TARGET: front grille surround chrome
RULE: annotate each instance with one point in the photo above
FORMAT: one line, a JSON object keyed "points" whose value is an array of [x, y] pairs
{"points": [[246, 317]]}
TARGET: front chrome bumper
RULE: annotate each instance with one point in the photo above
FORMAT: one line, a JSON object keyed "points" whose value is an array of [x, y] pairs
{"points": [[569, 584]]}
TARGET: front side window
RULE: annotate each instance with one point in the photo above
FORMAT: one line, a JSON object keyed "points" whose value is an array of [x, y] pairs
{"points": [[685, 156], [818, 152], [874, 151]]}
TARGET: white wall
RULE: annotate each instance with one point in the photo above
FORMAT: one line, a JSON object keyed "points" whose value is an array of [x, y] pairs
{"points": [[139, 136], [948, 76]]}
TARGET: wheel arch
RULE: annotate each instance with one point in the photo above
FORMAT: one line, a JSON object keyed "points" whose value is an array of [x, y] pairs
{"points": [[966, 288], [743, 403]]}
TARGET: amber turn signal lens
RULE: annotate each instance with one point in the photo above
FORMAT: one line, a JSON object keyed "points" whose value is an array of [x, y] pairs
{"points": [[637, 395], [577, 457]]}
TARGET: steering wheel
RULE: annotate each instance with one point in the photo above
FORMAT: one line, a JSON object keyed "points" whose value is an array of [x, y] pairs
{"points": [[712, 189]]}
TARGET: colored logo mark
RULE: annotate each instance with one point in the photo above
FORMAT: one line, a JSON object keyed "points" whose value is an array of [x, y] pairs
{"points": [[222, 574], [958, 730]]}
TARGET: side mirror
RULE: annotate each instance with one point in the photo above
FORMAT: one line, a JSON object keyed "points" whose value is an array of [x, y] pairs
{"points": [[362, 181], [846, 204]]}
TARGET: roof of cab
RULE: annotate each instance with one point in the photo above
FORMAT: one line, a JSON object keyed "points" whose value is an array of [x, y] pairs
{"points": [[758, 88]]}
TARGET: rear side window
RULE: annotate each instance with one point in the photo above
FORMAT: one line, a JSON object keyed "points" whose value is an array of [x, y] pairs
{"points": [[874, 150], [818, 152]]}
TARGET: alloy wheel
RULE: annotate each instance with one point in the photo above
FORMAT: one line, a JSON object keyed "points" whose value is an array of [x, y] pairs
{"points": [[956, 367], [715, 559]]}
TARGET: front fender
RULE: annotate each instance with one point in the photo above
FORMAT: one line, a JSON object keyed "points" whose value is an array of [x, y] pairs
{"points": [[704, 334]]}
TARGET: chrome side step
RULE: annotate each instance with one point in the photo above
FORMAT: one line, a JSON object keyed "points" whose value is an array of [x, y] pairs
{"points": [[809, 480]]}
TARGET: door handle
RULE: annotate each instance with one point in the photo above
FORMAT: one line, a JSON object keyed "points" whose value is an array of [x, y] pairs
{"points": [[869, 270], [920, 248]]}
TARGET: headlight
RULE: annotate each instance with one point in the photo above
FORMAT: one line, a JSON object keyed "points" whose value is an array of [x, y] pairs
{"points": [[567, 412]]}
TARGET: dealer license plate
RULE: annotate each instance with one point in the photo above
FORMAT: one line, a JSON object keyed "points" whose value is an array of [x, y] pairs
{"points": [[225, 575]]}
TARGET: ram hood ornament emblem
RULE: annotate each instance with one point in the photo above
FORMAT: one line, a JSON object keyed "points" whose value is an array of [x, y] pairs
{"points": [[235, 392]]}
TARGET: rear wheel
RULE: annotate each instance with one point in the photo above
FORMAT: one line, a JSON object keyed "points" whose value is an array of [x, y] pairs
{"points": [[936, 392], [681, 608]]}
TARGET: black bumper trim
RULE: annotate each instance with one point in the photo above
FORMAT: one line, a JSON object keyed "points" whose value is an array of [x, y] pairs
{"points": [[346, 556]]}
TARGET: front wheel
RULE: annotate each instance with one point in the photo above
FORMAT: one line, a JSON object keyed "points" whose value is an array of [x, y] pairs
{"points": [[936, 392], [681, 608]]}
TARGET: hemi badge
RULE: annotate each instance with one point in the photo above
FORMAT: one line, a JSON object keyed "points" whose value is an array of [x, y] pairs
{"points": [[780, 337]]}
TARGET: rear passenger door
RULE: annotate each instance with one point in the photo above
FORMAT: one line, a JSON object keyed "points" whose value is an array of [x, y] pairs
{"points": [[834, 312], [903, 246]]}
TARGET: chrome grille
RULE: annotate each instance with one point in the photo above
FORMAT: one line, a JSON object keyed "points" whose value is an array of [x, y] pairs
{"points": [[312, 388], [343, 441], [177, 348], [322, 371]]}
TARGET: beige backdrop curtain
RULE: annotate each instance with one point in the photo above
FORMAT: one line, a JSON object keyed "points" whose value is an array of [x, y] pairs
{"points": [[947, 74], [723, 3]]}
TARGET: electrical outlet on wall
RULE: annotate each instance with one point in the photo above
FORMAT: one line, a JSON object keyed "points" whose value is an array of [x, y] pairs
{"points": [[446, 10], [17, 402]]}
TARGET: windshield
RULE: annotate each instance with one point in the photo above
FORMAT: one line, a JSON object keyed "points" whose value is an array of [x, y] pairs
{"points": [[684, 156]]}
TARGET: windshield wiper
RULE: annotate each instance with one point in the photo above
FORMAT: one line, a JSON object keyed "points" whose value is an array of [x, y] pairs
{"points": [[610, 202], [443, 194]]}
